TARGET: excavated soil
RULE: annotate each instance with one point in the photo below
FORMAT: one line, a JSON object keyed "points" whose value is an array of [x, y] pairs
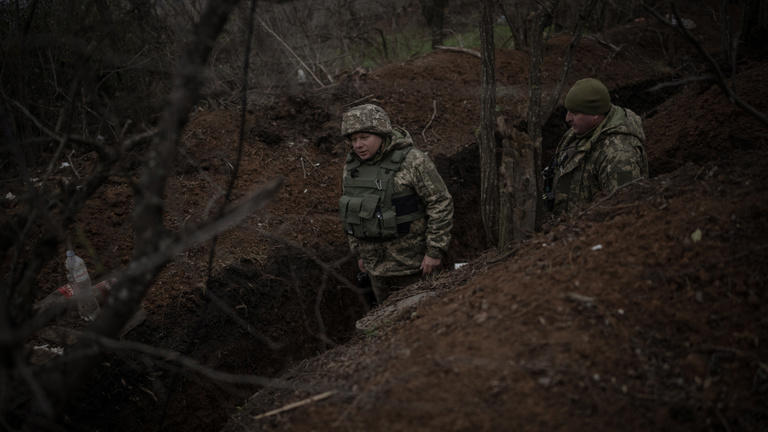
{"points": [[647, 311]]}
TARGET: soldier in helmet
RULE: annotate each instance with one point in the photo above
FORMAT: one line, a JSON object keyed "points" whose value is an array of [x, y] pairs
{"points": [[395, 207], [602, 150]]}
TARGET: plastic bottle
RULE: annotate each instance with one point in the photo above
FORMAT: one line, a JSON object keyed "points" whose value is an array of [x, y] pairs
{"points": [[77, 274]]}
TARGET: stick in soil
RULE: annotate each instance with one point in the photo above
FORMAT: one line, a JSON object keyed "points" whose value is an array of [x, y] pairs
{"points": [[298, 404]]}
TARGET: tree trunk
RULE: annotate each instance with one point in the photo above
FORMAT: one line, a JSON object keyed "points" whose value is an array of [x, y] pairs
{"points": [[434, 13], [754, 34], [517, 212], [536, 40], [489, 183]]}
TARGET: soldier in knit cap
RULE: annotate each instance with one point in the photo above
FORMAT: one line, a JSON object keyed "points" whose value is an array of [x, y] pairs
{"points": [[602, 150], [395, 207]]}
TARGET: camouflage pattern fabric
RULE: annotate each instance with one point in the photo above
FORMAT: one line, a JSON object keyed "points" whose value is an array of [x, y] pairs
{"points": [[599, 161], [366, 118], [427, 236]]}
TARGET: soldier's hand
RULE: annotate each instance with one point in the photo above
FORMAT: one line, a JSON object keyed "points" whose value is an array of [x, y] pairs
{"points": [[428, 264], [361, 266]]}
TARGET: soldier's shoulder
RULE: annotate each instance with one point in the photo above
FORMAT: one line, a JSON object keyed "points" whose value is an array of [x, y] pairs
{"points": [[417, 158], [416, 153], [620, 146]]}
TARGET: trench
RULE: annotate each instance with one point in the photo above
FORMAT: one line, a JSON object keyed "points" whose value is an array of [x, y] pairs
{"points": [[254, 319], [261, 318]]}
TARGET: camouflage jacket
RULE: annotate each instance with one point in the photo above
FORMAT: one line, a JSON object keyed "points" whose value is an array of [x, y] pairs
{"points": [[427, 236], [599, 161]]}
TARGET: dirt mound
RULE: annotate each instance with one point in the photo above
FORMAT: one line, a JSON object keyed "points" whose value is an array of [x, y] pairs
{"points": [[698, 127], [643, 313]]}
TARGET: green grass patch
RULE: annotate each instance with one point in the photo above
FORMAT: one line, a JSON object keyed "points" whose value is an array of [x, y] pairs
{"points": [[415, 42]]}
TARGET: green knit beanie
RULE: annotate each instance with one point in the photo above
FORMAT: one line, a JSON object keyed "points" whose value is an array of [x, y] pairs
{"points": [[588, 96]]}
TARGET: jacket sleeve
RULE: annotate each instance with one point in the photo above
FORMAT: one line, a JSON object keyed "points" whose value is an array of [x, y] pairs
{"points": [[438, 203], [621, 162]]}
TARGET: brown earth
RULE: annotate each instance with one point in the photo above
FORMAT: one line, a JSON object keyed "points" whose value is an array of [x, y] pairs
{"points": [[647, 311]]}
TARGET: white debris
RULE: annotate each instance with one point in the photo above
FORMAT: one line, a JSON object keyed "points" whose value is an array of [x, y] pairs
{"points": [[597, 247], [459, 265], [52, 349], [10, 196], [696, 236]]}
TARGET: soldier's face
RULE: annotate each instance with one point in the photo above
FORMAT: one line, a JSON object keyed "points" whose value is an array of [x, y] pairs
{"points": [[365, 144], [582, 123]]}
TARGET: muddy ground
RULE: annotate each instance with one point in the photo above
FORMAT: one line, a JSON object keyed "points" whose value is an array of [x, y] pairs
{"points": [[647, 311]]}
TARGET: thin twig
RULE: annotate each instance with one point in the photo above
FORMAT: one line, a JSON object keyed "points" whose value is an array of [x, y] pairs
{"points": [[295, 405], [680, 82], [605, 43], [359, 100], [128, 143], [721, 80], [241, 135], [722, 420], [609, 196], [288, 48], [434, 113], [182, 360], [151, 262], [460, 50], [224, 307], [72, 164], [578, 31], [531, 307]]}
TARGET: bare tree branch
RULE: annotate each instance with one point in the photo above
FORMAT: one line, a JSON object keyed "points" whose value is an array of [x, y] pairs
{"points": [[589, 8], [471, 52], [241, 134], [189, 363], [721, 79], [153, 243], [290, 51]]}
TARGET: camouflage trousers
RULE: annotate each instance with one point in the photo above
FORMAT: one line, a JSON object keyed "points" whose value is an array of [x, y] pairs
{"points": [[383, 286]]}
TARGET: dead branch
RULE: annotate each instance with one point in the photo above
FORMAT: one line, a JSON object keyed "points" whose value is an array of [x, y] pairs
{"points": [[362, 99], [330, 269], [241, 134], [222, 223], [607, 197], [186, 362], [290, 51], [152, 262], [589, 7], [224, 307], [721, 79], [680, 82], [152, 239], [588, 301], [605, 43], [460, 50], [295, 405], [431, 119]]}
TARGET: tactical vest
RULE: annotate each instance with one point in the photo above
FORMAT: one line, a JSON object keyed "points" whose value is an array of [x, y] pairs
{"points": [[369, 208]]}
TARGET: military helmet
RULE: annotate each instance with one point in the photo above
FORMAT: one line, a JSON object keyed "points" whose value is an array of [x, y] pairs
{"points": [[366, 118]]}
